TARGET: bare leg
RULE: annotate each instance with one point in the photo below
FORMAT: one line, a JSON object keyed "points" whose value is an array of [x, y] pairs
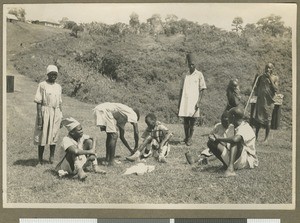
{"points": [[267, 132], [111, 143], [40, 154], [52, 151], [186, 129], [235, 153], [217, 151], [257, 130]]}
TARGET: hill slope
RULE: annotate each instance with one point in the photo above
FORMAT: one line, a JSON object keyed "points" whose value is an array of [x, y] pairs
{"points": [[145, 71]]}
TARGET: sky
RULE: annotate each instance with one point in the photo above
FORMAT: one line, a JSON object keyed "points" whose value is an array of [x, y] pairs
{"points": [[219, 14]]}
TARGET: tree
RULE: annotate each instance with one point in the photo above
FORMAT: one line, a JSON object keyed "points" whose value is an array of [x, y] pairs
{"points": [[134, 22], [75, 29], [171, 18], [237, 24], [19, 13], [272, 25], [156, 24]]}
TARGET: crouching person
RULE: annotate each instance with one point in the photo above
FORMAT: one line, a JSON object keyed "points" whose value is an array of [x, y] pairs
{"points": [[78, 152], [156, 141], [241, 152]]}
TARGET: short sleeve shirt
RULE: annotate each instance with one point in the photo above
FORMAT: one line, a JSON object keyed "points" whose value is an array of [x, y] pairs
{"points": [[248, 135], [159, 132]]}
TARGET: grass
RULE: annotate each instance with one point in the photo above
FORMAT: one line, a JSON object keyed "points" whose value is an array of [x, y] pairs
{"points": [[175, 182]]}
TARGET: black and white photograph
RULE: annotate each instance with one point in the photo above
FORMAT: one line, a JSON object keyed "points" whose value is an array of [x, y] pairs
{"points": [[149, 106]]}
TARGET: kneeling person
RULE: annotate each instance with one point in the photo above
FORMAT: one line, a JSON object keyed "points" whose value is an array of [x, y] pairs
{"points": [[156, 141], [79, 151], [241, 152]]}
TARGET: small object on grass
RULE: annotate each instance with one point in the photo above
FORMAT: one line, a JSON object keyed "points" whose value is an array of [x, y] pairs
{"points": [[203, 161], [189, 157]]}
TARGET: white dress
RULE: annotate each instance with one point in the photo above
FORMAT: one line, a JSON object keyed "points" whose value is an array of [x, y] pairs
{"points": [[191, 86], [49, 96]]}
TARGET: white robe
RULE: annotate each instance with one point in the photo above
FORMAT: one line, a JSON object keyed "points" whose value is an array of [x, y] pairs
{"points": [[191, 87]]}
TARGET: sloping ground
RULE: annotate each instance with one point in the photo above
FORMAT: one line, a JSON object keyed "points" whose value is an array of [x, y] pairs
{"points": [[175, 182], [28, 34]]}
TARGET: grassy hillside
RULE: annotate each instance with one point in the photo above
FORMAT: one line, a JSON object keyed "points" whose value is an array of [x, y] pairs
{"points": [[148, 73], [145, 70]]}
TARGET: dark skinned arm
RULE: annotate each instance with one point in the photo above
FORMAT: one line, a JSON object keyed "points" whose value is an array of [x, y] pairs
{"points": [[77, 152], [39, 114]]}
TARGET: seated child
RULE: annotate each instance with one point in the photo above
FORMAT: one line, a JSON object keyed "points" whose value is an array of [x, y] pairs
{"points": [[241, 153], [156, 141], [222, 129], [78, 151]]}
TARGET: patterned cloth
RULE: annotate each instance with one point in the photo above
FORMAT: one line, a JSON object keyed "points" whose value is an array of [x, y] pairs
{"points": [[157, 134], [49, 95], [265, 100], [191, 86], [113, 115]]}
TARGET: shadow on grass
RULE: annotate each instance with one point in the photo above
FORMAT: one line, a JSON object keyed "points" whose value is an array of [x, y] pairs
{"points": [[29, 162], [208, 168], [176, 142]]}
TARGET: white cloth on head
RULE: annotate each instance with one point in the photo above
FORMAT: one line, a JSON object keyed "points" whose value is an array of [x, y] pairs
{"points": [[70, 123], [191, 86], [52, 68]]}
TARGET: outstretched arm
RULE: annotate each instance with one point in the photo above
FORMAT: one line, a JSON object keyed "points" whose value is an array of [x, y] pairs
{"points": [[124, 141], [136, 135], [166, 139]]}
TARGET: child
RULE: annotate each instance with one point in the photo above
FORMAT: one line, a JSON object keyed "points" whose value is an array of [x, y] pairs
{"points": [[242, 152], [222, 129], [79, 151], [156, 140]]}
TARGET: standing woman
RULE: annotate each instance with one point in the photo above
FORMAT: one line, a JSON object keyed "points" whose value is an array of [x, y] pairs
{"points": [[49, 113]]}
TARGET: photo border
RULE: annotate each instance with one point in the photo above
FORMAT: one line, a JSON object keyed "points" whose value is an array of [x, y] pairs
{"points": [[10, 214]]}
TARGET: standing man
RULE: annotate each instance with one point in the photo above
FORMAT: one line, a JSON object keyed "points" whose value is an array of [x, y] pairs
{"points": [[191, 92], [266, 87], [113, 116]]}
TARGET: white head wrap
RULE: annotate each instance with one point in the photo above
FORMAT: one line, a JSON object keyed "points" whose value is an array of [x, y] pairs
{"points": [[52, 68], [70, 123]]}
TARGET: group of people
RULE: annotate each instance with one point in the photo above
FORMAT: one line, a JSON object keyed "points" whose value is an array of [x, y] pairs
{"points": [[232, 141]]}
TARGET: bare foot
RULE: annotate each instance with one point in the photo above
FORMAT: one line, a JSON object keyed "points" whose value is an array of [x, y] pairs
{"points": [[229, 173]]}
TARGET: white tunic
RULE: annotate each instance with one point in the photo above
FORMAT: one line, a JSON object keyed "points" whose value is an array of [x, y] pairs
{"points": [[192, 84]]}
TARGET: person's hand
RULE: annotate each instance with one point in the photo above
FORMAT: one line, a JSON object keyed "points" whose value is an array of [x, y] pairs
{"points": [[211, 138]]}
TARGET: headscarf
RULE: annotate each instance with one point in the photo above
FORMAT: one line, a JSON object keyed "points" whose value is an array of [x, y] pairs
{"points": [[70, 123], [52, 68]]}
